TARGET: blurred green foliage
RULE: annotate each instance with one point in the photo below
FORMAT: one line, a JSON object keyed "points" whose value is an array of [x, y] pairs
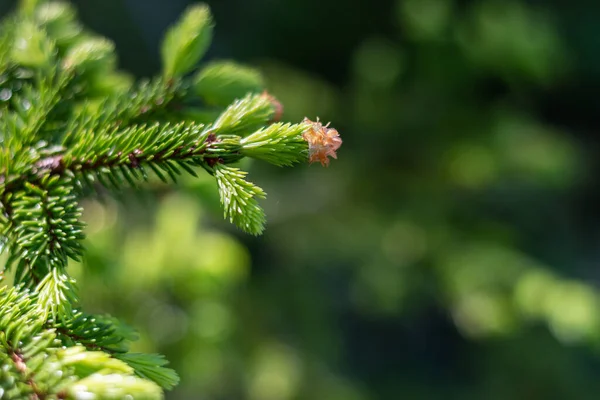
{"points": [[436, 258]]}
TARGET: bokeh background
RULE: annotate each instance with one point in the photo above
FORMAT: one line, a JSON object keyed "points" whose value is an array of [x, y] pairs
{"points": [[453, 250]]}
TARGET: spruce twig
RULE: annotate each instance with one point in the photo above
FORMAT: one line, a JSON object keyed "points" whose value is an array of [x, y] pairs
{"points": [[63, 126]]}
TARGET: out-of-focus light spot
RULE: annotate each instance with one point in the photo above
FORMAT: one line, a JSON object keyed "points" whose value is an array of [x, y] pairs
{"points": [[483, 314], [211, 320], [482, 267], [571, 309], [574, 312], [98, 216], [167, 323], [424, 19], [472, 166], [374, 110], [76, 269], [144, 258], [531, 292], [380, 288], [5, 94], [404, 243], [494, 39], [221, 257], [378, 62], [276, 374], [535, 153], [178, 217], [203, 365], [334, 387]]}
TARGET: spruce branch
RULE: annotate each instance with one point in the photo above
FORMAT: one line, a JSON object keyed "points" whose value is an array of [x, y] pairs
{"points": [[108, 335], [6, 42], [136, 105], [187, 41], [279, 144], [45, 227], [238, 198], [113, 386], [166, 149], [31, 108], [58, 19], [91, 56], [222, 82], [31, 46], [36, 364], [57, 294], [14, 159], [95, 332], [246, 115], [152, 367], [67, 118]]}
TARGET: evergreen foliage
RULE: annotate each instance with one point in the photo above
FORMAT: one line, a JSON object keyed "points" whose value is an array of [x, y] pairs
{"points": [[70, 121]]}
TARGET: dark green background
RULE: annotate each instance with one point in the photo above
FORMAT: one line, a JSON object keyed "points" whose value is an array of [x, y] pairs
{"points": [[453, 250]]}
